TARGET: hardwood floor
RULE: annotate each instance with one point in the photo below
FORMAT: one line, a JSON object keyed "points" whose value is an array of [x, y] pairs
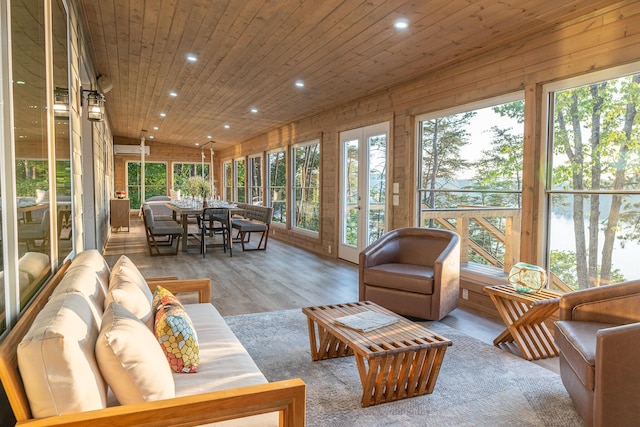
{"points": [[281, 278]]}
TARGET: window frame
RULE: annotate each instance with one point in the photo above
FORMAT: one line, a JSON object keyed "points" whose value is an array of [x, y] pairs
{"points": [[546, 150], [293, 187], [272, 188], [166, 179], [236, 180], [255, 190]]}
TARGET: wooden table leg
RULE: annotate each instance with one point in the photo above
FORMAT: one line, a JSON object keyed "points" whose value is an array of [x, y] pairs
{"points": [[525, 327], [185, 231], [323, 344], [397, 376]]}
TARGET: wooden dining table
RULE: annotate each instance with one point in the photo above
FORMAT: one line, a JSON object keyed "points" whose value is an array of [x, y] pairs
{"points": [[186, 210]]}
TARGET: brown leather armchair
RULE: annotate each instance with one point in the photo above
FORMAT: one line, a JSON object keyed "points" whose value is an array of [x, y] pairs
{"points": [[412, 271], [598, 336]]}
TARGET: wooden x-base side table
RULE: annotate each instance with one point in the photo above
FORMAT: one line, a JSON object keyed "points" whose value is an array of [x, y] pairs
{"points": [[524, 315], [395, 362]]}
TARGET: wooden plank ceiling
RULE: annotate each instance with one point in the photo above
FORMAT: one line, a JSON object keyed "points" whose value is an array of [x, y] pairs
{"points": [[250, 53]]}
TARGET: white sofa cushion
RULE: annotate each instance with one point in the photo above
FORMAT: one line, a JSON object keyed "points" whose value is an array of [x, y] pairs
{"points": [[57, 361], [224, 364], [131, 359], [128, 293], [85, 282], [93, 260], [126, 267]]}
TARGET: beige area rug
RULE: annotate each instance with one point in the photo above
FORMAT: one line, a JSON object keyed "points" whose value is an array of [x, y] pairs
{"points": [[479, 385]]}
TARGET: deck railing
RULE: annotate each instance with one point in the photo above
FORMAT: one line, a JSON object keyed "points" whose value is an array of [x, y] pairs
{"points": [[459, 220]]}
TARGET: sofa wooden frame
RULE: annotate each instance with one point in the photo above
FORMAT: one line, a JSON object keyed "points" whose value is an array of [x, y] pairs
{"points": [[286, 397]]}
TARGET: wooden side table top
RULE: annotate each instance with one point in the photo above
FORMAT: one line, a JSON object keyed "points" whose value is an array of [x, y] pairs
{"points": [[524, 315], [402, 335], [543, 296]]}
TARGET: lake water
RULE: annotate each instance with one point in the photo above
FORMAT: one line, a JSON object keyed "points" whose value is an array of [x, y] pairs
{"points": [[625, 259]]}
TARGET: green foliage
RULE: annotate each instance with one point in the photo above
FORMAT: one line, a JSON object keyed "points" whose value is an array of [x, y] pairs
{"points": [[155, 181], [306, 183], [198, 186]]}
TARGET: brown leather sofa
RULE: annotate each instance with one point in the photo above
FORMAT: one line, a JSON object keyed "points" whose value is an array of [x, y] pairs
{"points": [[412, 271], [598, 336]]}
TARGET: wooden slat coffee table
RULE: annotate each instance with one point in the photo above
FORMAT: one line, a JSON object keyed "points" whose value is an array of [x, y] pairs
{"points": [[395, 362]]}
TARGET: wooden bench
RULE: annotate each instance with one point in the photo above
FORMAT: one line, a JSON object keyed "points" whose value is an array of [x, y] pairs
{"points": [[256, 219]]}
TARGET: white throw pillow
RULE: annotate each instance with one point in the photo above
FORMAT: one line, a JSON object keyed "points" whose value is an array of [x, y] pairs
{"points": [[131, 359], [93, 260], [57, 360], [126, 267], [174, 194], [128, 293]]}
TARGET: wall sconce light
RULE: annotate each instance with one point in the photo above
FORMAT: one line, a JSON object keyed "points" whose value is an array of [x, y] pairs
{"points": [[95, 104], [61, 103]]}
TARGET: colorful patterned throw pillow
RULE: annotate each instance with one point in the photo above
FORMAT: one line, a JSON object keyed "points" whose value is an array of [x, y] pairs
{"points": [[176, 334]]}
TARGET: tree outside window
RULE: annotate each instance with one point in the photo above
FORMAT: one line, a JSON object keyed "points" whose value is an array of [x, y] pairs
{"points": [[183, 171], [228, 181], [593, 193], [255, 180], [277, 185], [306, 186], [473, 160], [155, 182]]}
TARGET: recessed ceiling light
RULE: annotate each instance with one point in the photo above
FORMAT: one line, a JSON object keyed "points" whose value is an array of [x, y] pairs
{"points": [[151, 136], [172, 93], [299, 83], [227, 126], [197, 144], [21, 82], [209, 137], [156, 128], [163, 114], [191, 57], [401, 24], [254, 110]]}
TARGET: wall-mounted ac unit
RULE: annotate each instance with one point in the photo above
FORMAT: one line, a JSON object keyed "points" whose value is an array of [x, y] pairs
{"points": [[130, 149]]}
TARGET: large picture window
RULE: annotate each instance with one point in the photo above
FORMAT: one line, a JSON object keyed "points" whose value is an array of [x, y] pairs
{"points": [[227, 172], [155, 181], [594, 194], [183, 171], [470, 177], [277, 185], [255, 180], [305, 191], [239, 181]]}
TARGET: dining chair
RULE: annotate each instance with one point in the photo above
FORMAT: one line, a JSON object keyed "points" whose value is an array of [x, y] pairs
{"points": [[215, 221]]}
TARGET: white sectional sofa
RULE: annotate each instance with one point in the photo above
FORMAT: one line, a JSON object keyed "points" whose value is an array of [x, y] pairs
{"points": [[53, 368]]}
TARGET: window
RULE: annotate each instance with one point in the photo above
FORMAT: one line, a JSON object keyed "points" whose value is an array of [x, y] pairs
{"points": [[305, 188], [593, 194], [183, 171], [470, 176], [255, 180], [277, 185], [38, 184], [228, 181], [239, 180], [155, 181]]}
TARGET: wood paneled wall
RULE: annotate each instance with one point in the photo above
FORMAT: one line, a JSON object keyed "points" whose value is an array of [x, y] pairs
{"points": [[597, 41]]}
